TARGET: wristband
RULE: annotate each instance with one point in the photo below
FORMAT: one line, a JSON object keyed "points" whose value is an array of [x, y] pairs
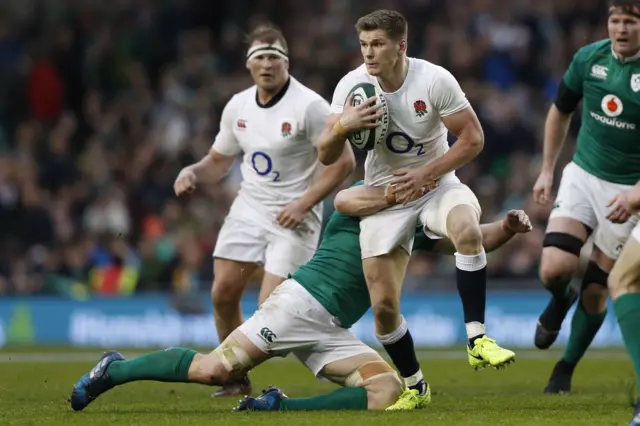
{"points": [[340, 130], [390, 195]]}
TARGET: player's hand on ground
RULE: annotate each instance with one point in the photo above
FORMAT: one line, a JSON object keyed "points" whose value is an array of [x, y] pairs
{"points": [[185, 182], [517, 221], [621, 208], [542, 188], [292, 214], [410, 184], [362, 116]]}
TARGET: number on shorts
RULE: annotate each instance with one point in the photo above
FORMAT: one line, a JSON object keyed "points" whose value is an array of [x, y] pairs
{"points": [[266, 170], [410, 144]]}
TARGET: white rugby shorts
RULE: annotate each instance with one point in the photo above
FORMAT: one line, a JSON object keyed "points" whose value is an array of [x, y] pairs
{"points": [[584, 197], [382, 232], [291, 320]]}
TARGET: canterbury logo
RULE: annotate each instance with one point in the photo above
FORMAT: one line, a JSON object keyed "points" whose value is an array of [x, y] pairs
{"points": [[267, 334]]}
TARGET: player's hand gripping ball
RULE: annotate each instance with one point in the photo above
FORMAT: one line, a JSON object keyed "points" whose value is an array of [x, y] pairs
{"points": [[370, 110]]}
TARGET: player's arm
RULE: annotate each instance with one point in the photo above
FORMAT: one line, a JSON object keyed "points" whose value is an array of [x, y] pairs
{"points": [[624, 205], [460, 119], [494, 235], [365, 200], [212, 167], [556, 128], [559, 116], [344, 119], [450, 102], [332, 140], [216, 164], [333, 175]]}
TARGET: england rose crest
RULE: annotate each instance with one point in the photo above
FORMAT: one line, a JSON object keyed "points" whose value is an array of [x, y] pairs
{"points": [[286, 129], [420, 107]]}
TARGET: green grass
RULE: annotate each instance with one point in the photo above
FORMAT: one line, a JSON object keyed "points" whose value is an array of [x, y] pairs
{"points": [[35, 393]]}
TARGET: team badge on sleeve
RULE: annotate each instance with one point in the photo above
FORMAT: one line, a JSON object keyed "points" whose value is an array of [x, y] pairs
{"points": [[286, 129], [635, 82], [420, 107]]}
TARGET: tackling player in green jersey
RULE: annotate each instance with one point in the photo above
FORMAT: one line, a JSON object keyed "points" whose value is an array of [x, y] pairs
{"points": [[624, 283], [606, 76], [307, 315]]}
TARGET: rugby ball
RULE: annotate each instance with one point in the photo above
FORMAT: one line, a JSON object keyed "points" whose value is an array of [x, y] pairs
{"points": [[367, 139]]}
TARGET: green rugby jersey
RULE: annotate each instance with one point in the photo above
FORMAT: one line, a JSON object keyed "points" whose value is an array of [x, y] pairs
{"points": [[334, 275], [609, 139]]}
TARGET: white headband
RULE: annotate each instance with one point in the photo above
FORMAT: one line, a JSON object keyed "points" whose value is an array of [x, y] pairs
{"points": [[267, 49]]}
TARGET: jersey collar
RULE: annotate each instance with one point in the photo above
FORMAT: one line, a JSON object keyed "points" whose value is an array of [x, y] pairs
{"points": [[276, 98], [626, 60]]}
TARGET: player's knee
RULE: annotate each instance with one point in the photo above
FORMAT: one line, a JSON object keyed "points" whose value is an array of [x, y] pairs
{"points": [[557, 267], [208, 370], [381, 382], [594, 291], [383, 391], [386, 312], [466, 236], [225, 293]]}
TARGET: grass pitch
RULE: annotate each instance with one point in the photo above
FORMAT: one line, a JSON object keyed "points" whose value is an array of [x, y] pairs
{"points": [[34, 387]]}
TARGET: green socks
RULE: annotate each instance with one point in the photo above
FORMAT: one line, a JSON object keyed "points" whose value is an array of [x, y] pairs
{"points": [[627, 309], [560, 292], [584, 327], [339, 399], [168, 365]]}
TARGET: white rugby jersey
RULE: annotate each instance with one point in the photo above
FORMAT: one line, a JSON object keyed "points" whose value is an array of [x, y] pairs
{"points": [[416, 133], [278, 144]]}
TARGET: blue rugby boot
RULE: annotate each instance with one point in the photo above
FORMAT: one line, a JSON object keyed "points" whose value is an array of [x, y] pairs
{"points": [[635, 421], [95, 383], [268, 401]]}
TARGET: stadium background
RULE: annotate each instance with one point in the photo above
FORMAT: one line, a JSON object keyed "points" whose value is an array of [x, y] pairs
{"points": [[102, 103]]}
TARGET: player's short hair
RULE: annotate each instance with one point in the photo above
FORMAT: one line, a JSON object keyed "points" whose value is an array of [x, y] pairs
{"points": [[624, 2], [632, 7], [390, 21], [267, 33]]}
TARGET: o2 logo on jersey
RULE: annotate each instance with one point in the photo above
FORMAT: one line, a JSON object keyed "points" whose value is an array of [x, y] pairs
{"points": [[262, 164], [612, 105], [404, 147]]}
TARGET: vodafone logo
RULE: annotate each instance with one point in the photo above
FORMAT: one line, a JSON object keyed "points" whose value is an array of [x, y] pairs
{"points": [[612, 105]]}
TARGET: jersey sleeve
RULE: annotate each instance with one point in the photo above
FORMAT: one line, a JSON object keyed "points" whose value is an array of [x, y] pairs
{"points": [[315, 117], [225, 142], [340, 95], [447, 96], [573, 76]]}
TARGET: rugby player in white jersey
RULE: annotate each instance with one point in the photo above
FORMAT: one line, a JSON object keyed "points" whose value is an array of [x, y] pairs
{"points": [[275, 220], [424, 101]]}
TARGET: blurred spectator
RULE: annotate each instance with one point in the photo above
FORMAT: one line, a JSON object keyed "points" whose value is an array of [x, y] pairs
{"points": [[102, 103]]}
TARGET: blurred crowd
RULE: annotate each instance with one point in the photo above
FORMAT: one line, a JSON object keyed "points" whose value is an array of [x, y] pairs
{"points": [[103, 102]]}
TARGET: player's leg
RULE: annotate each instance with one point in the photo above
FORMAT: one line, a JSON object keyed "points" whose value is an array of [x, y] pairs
{"points": [[368, 381], [385, 241], [285, 253], [591, 310], [570, 223], [588, 317], [240, 248], [232, 359], [624, 285], [454, 212]]}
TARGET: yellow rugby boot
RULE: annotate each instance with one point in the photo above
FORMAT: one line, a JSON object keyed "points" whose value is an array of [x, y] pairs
{"points": [[411, 400], [486, 352]]}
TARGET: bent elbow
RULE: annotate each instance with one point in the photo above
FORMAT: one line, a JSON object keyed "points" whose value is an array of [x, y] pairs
{"points": [[341, 203]]}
